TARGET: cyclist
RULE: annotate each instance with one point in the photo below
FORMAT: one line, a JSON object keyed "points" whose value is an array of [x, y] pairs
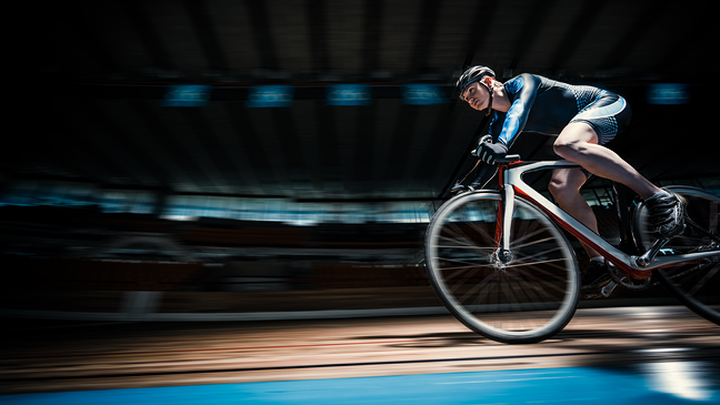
{"points": [[584, 119]]}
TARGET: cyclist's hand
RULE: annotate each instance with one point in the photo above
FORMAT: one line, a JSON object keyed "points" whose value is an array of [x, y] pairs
{"points": [[489, 152]]}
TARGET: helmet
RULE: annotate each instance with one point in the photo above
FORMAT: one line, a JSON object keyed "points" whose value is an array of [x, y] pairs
{"points": [[472, 75]]}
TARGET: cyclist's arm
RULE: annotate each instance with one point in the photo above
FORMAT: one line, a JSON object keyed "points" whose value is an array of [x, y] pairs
{"points": [[525, 88]]}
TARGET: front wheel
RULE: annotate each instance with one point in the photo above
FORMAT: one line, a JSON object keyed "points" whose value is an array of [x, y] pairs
{"points": [[695, 284], [525, 300]]}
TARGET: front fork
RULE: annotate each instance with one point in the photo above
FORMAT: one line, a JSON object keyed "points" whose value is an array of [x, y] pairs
{"points": [[502, 255]]}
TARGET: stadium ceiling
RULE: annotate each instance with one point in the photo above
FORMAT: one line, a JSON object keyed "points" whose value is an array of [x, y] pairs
{"points": [[100, 79]]}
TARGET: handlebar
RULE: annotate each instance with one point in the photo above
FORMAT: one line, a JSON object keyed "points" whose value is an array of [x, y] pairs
{"points": [[507, 159]]}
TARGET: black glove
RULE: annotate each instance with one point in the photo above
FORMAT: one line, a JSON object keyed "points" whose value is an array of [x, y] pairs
{"points": [[489, 152]]}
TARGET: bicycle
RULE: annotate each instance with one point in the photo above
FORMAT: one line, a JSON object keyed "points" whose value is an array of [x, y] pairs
{"points": [[501, 264]]}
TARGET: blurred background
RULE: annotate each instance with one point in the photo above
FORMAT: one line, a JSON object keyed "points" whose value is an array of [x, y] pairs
{"points": [[226, 159]]}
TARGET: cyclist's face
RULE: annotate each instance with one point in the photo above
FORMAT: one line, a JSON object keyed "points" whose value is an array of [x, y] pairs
{"points": [[477, 95]]}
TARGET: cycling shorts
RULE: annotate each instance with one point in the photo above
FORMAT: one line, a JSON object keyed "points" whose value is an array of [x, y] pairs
{"points": [[608, 114]]}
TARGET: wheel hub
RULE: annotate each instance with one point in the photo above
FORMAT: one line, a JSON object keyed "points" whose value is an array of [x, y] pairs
{"points": [[501, 258]]}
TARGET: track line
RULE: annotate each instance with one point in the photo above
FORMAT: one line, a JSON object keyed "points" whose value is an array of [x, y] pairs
{"points": [[226, 349], [310, 366]]}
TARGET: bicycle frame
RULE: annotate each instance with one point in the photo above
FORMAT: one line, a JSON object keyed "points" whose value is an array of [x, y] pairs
{"points": [[513, 186]]}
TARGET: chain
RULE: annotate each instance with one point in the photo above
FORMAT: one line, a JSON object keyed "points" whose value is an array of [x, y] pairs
{"points": [[688, 271]]}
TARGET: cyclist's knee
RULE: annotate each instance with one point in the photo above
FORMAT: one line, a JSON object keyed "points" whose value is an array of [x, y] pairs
{"points": [[574, 140], [558, 189]]}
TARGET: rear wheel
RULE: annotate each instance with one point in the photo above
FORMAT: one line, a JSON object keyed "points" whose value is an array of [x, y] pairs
{"points": [[529, 298], [695, 284]]}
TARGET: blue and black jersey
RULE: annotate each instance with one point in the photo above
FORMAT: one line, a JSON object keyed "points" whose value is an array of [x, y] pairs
{"points": [[546, 106]]}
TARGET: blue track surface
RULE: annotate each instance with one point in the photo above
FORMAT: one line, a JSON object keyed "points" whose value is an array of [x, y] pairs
{"points": [[652, 385]]}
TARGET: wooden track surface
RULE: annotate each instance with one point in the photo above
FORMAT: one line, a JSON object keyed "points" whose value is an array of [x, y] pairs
{"points": [[50, 356]]}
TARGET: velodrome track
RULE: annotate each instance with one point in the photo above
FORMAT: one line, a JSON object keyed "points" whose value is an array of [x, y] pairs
{"points": [[665, 354]]}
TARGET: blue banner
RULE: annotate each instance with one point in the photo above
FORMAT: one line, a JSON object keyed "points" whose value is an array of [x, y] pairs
{"points": [[187, 95], [668, 94], [348, 94], [423, 94], [271, 96]]}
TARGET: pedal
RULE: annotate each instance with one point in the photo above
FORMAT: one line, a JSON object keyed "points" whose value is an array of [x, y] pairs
{"points": [[601, 293], [609, 288], [645, 259]]}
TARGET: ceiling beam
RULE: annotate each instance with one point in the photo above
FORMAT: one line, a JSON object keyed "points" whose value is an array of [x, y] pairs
{"points": [[426, 27], [371, 38], [524, 39], [687, 42], [207, 36], [316, 12], [576, 33], [478, 30], [149, 37], [77, 20], [263, 36], [634, 33]]}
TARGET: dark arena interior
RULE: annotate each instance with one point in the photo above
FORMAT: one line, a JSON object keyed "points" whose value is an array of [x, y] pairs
{"points": [[216, 201]]}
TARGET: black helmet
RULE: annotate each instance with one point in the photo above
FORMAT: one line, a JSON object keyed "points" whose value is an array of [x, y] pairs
{"points": [[472, 75]]}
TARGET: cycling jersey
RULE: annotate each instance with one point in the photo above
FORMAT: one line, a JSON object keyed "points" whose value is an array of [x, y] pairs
{"points": [[546, 106]]}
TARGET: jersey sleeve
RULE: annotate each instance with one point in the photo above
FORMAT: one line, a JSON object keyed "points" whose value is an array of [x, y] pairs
{"points": [[524, 88]]}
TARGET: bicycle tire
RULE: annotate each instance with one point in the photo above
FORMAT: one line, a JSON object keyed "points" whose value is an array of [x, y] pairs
{"points": [[531, 299], [697, 284]]}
